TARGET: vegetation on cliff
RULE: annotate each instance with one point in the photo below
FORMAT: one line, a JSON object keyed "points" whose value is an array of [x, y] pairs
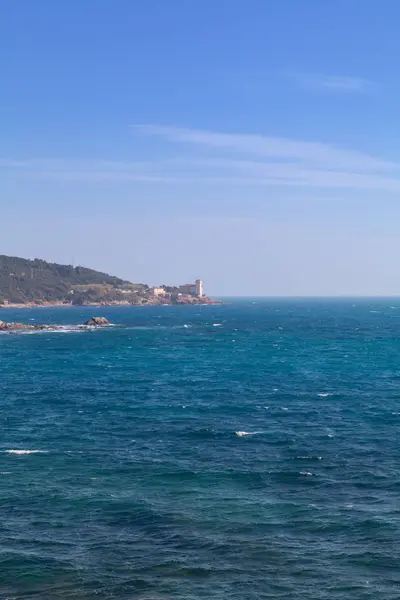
{"points": [[23, 281], [38, 282]]}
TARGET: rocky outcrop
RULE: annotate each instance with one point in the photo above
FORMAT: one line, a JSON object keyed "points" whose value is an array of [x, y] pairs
{"points": [[22, 326], [97, 322], [10, 327]]}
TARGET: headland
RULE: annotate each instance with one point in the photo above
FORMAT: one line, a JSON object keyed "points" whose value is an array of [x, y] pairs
{"points": [[36, 283]]}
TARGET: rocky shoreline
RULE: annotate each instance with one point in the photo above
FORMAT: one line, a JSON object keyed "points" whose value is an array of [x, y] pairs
{"points": [[184, 301], [94, 322]]}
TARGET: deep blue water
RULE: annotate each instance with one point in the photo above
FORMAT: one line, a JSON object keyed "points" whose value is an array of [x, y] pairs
{"points": [[143, 487]]}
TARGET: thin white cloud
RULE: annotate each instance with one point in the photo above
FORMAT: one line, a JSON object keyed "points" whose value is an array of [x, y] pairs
{"points": [[284, 161], [313, 153], [295, 174], [106, 176], [247, 160], [335, 83], [86, 170], [11, 164]]}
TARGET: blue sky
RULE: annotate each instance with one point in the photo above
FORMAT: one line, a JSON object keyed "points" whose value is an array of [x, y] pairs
{"points": [[253, 144]]}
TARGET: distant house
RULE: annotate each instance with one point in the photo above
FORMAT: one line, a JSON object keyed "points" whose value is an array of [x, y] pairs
{"points": [[157, 291]]}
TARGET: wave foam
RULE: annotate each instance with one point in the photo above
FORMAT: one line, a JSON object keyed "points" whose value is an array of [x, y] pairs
{"points": [[20, 452], [244, 433], [305, 457], [59, 329], [325, 395]]}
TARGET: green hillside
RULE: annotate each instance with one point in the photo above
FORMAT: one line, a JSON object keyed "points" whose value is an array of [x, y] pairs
{"points": [[23, 280]]}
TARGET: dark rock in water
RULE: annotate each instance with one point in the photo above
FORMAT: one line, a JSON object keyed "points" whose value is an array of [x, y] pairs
{"points": [[23, 326], [93, 322], [11, 326], [97, 322]]}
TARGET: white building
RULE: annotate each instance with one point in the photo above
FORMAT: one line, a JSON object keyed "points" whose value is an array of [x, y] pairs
{"points": [[199, 287], [157, 291]]}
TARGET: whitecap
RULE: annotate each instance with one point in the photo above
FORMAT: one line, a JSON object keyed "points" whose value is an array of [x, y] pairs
{"points": [[309, 457], [244, 433], [305, 473], [217, 324], [284, 408], [20, 452], [323, 395], [62, 330]]}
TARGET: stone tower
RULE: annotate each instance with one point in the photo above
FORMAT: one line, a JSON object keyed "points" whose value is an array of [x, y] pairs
{"points": [[199, 287]]}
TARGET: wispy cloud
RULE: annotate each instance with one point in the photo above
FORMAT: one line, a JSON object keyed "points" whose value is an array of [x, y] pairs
{"points": [[335, 83], [217, 158], [314, 153], [265, 160], [88, 170]]}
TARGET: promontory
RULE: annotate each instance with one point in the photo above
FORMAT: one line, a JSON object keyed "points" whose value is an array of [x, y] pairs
{"points": [[30, 283]]}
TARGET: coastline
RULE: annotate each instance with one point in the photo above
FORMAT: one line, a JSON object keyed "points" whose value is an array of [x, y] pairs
{"points": [[204, 302]]}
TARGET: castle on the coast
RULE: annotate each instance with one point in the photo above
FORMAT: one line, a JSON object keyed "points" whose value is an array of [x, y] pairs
{"points": [[188, 289], [192, 289]]}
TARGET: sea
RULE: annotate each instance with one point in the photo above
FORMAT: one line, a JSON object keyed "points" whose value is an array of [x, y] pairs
{"points": [[237, 452]]}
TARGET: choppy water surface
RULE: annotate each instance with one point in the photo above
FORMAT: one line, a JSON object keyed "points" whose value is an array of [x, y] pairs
{"points": [[236, 452]]}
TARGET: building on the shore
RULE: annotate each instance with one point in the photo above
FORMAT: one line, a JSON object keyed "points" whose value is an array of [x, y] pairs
{"points": [[199, 287], [188, 288], [192, 289], [157, 291]]}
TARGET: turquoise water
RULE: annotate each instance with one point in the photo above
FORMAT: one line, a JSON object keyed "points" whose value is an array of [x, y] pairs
{"points": [[230, 452]]}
